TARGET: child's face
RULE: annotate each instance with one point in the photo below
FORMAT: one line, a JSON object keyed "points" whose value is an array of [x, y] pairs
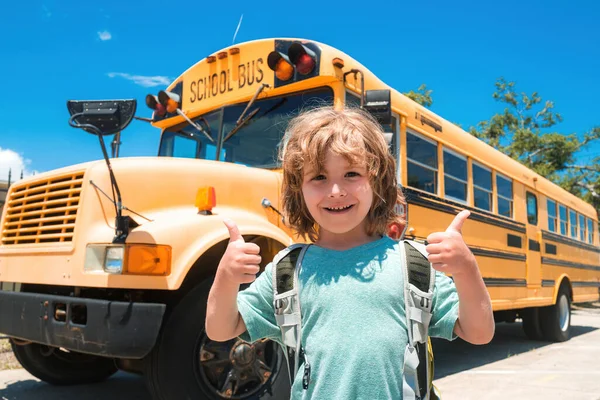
{"points": [[339, 197]]}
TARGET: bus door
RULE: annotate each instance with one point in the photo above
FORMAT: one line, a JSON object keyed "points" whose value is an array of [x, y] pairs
{"points": [[534, 255]]}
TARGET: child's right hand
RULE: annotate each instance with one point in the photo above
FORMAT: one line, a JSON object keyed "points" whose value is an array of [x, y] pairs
{"points": [[241, 260]]}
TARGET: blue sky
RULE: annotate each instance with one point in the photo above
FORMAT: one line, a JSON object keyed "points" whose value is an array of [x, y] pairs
{"points": [[56, 50]]}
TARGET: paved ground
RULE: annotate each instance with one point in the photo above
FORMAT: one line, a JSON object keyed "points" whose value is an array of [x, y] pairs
{"points": [[511, 367]]}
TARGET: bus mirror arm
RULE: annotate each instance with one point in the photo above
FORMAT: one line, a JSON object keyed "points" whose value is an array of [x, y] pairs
{"points": [[112, 116], [121, 221], [362, 84]]}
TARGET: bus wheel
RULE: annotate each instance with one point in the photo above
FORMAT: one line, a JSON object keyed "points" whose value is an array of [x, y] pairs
{"points": [[556, 319], [59, 367], [531, 323], [185, 364]]}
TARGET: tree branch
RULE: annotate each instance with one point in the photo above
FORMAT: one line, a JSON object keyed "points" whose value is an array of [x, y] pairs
{"points": [[582, 167], [590, 188]]}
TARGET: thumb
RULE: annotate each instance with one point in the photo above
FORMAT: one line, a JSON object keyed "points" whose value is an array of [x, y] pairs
{"points": [[234, 232], [459, 220]]}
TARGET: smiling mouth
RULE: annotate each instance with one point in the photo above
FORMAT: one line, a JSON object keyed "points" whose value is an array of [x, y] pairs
{"points": [[339, 209]]}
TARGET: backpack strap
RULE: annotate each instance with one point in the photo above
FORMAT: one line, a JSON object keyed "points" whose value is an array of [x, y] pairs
{"points": [[286, 303], [419, 282]]}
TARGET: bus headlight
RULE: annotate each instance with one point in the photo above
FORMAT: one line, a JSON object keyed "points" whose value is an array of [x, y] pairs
{"points": [[129, 259], [113, 260]]}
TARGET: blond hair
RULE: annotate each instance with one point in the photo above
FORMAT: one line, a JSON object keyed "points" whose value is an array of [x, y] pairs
{"points": [[353, 134]]}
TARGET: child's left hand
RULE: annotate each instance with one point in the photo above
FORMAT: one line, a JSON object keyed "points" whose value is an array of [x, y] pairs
{"points": [[447, 250]]}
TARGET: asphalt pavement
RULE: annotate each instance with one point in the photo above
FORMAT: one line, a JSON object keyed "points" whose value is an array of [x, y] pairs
{"points": [[510, 367]]}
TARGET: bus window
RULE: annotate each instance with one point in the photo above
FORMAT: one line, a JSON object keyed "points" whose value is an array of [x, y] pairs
{"points": [[573, 222], [563, 219], [505, 195], [184, 147], [532, 211], [179, 145], [455, 176], [256, 143], [590, 231], [581, 228], [482, 184], [552, 225], [422, 162], [186, 141]]}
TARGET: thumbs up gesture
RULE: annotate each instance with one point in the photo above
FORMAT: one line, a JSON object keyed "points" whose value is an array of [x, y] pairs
{"points": [[447, 250], [241, 260]]}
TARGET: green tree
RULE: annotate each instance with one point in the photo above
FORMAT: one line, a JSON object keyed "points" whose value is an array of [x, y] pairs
{"points": [[526, 131], [421, 96]]}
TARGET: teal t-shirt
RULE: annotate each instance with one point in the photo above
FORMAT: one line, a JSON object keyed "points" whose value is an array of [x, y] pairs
{"points": [[353, 323]]}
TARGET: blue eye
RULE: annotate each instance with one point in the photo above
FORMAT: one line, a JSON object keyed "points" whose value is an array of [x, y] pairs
{"points": [[352, 174], [319, 178]]}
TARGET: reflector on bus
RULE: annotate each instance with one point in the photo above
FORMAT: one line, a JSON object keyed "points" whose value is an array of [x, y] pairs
{"points": [[280, 63]]}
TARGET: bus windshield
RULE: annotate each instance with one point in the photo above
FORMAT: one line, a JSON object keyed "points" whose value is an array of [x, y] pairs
{"points": [[255, 143]]}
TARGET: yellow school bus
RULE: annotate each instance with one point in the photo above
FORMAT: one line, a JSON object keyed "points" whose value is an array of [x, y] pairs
{"points": [[106, 265]]}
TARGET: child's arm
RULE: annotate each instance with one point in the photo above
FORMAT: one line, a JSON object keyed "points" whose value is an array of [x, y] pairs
{"points": [[239, 264], [449, 253]]}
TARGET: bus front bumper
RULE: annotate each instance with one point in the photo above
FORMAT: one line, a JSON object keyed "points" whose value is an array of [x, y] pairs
{"points": [[100, 327]]}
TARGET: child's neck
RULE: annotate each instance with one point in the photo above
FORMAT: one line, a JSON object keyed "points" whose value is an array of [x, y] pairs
{"points": [[344, 241]]}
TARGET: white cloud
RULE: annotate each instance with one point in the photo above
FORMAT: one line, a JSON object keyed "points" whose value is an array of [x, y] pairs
{"points": [[104, 35], [145, 81], [11, 160]]}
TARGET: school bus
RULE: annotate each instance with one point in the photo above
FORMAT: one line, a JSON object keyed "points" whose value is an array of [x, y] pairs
{"points": [[109, 268]]}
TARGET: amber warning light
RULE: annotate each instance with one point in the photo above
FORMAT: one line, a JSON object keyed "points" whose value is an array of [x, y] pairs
{"points": [[206, 200]]}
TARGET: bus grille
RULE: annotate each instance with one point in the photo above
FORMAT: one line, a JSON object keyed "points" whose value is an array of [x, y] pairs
{"points": [[42, 211]]}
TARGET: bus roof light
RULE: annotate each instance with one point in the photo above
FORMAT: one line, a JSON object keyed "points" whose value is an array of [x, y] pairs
{"points": [[281, 64], [153, 103], [302, 57], [169, 100]]}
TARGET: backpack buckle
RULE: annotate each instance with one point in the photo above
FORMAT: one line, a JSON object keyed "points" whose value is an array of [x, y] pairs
{"points": [[281, 305]]}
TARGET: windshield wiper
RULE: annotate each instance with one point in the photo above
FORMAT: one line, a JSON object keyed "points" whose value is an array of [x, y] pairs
{"points": [[200, 129], [252, 114], [241, 120], [239, 125]]}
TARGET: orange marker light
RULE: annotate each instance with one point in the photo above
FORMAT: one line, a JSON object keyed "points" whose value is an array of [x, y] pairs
{"points": [[148, 259], [169, 100], [284, 70], [206, 199], [280, 63]]}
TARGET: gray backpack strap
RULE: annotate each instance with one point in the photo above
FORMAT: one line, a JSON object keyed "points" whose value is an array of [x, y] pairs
{"points": [[419, 282], [286, 302]]}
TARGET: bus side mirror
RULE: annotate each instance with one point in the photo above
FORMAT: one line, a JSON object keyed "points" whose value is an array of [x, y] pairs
{"points": [[378, 103], [102, 117]]}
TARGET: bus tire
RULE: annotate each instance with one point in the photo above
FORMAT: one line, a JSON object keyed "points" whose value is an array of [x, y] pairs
{"points": [[531, 323], [185, 364], [59, 367], [556, 319]]}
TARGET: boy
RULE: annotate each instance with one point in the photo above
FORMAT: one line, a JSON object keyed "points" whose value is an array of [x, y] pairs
{"points": [[339, 190]]}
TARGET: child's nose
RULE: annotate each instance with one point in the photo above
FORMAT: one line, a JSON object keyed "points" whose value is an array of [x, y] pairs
{"points": [[337, 190]]}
